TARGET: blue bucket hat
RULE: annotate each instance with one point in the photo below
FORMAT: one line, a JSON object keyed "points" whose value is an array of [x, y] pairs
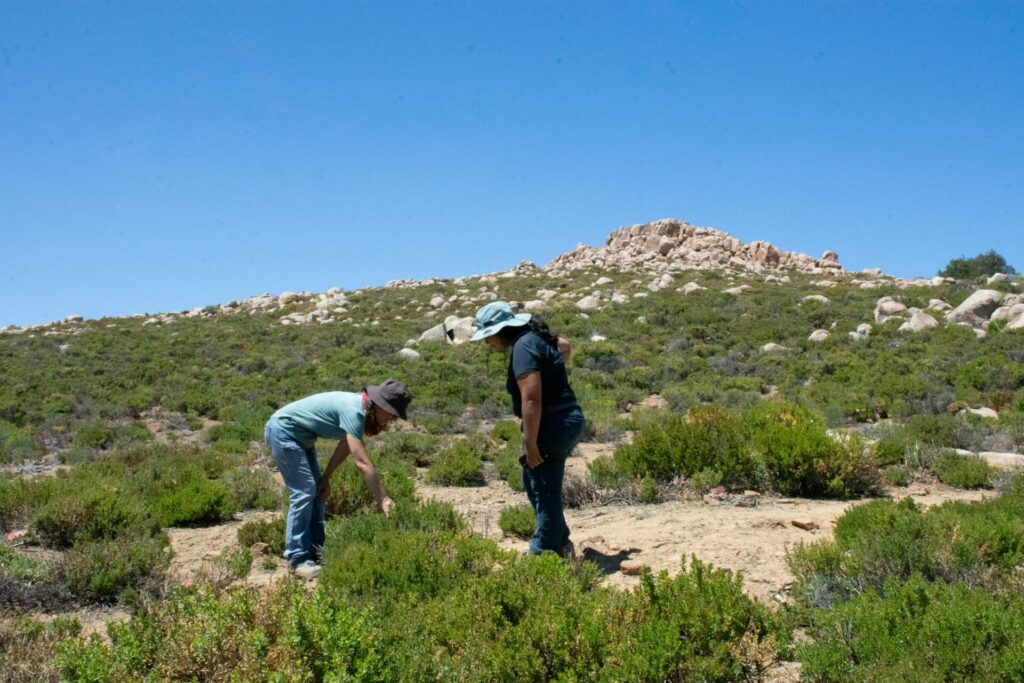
{"points": [[496, 316]]}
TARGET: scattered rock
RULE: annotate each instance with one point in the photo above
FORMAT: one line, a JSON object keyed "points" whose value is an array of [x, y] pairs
{"points": [[632, 567], [888, 307], [984, 412], [817, 298], [818, 336], [259, 549], [977, 307], [736, 291], [805, 524], [772, 347], [589, 303], [411, 354], [862, 332], [996, 278], [919, 321], [691, 287]]}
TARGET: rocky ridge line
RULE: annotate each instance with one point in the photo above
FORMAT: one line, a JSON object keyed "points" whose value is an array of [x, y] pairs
{"points": [[684, 246]]}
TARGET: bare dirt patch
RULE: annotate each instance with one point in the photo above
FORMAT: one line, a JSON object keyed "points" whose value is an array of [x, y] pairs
{"points": [[752, 540]]}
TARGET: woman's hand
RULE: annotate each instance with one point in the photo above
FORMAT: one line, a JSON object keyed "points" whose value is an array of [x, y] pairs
{"points": [[386, 504], [533, 456]]}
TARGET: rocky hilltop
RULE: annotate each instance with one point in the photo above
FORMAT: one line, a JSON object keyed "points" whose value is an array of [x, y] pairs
{"points": [[669, 241]]}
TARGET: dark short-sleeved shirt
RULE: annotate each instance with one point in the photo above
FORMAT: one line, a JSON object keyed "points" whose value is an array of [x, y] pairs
{"points": [[530, 353]]}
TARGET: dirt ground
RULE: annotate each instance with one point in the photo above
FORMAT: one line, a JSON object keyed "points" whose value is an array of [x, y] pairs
{"points": [[752, 540]]}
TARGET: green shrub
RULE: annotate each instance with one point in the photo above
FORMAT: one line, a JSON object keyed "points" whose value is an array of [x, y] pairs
{"points": [[349, 493], [919, 631], [802, 459], [280, 633], [648, 491], [16, 443], [954, 543], [982, 265], [95, 435], [457, 465], [88, 513], [507, 430], [401, 564], [196, 500], [963, 471], [607, 472], [897, 475], [270, 532], [413, 447], [518, 521], [707, 437], [21, 567], [697, 625], [103, 569], [253, 488]]}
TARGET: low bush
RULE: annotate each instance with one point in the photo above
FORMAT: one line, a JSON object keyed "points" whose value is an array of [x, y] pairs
{"points": [[919, 631], [518, 521], [84, 511], [973, 544], [457, 465], [802, 459], [281, 633], [413, 447], [102, 569], [16, 444], [706, 437], [28, 647], [270, 532], [507, 430], [195, 500], [963, 471], [408, 558], [349, 493], [253, 488]]}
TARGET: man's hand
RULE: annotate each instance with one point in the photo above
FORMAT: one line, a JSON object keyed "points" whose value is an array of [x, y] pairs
{"points": [[385, 506], [323, 490], [533, 456]]}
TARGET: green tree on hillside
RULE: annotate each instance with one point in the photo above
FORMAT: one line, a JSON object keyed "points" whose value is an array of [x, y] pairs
{"points": [[964, 268]]}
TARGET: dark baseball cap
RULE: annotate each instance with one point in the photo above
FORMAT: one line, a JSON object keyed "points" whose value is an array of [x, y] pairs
{"points": [[392, 396]]}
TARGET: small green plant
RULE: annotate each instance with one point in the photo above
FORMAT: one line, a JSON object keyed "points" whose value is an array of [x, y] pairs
{"points": [[518, 521], [963, 471], [270, 532], [897, 475], [647, 491], [457, 465]]}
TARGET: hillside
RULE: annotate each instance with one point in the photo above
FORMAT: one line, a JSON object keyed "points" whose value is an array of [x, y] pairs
{"points": [[720, 380]]}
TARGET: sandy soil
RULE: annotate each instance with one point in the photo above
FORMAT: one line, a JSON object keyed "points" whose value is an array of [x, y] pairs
{"points": [[752, 540]]}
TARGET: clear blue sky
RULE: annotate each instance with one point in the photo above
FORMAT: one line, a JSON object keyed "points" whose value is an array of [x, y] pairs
{"points": [[162, 156]]}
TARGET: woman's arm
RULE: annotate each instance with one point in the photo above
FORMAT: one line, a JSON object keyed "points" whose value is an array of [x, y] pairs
{"points": [[530, 389], [369, 474], [564, 348]]}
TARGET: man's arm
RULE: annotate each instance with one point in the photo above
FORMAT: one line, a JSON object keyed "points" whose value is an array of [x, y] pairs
{"points": [[369, 474], [323, 491], [530, 389]]}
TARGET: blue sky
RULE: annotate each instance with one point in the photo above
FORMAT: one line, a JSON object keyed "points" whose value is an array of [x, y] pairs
{"points": [[161, 156]]}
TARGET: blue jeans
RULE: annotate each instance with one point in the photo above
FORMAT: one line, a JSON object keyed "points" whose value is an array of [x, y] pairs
{"points": [[559, 433], [304, 533]]}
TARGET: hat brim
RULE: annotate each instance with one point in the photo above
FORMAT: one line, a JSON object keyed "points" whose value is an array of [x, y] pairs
{"points": [[373, 391], [519, 320]]}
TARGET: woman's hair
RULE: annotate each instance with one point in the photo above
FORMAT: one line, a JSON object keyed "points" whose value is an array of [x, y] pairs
{"points": [[537, 325]]}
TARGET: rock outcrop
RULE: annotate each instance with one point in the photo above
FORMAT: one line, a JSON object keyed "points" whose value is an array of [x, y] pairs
{"points": [[678, 242]]}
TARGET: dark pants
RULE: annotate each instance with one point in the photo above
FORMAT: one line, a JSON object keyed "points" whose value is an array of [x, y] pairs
{"points": [[558, 434]]}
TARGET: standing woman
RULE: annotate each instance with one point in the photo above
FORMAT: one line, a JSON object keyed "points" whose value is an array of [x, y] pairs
{"points": [[552, 421], [292, 433]]}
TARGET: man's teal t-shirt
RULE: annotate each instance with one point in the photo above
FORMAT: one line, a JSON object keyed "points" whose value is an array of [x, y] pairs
{"points": [[330, 415]]}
